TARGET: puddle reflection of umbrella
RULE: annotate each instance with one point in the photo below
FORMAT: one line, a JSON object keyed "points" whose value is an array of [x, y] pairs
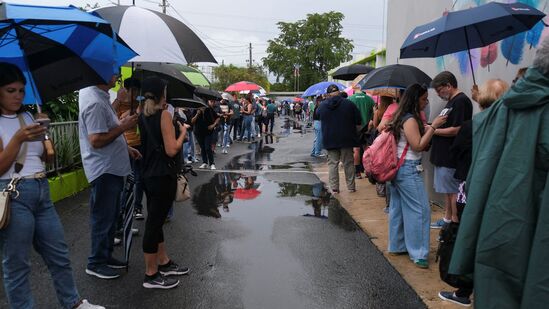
{"points": [[246, 194], [470, 28]]}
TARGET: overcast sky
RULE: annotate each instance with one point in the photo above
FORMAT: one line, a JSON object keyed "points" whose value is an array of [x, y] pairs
{"points": [[228, 26]]}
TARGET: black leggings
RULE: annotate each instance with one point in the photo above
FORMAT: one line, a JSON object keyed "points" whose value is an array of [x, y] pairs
{"points": [[205, 143], [160, 193]]}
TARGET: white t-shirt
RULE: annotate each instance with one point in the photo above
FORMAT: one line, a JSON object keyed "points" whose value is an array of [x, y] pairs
{"points": [[9, 124]]}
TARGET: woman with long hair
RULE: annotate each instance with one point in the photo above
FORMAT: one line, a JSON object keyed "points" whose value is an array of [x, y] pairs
{"points": [[161, 142], [33, 220], [409, 212], [247, 117]]}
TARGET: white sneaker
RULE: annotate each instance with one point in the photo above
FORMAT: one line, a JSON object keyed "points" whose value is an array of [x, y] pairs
{"points": [[86, 305], [188, 162], [204, 165], [195, 160], [117, 241], [224, 151], [212, 167], [258, 134]]}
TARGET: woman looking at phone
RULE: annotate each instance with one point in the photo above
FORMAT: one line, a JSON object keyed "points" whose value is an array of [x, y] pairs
{"points": [[33, 219]]}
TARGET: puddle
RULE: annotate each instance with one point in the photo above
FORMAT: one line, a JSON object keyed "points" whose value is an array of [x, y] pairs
{"points": [[238, 196]]}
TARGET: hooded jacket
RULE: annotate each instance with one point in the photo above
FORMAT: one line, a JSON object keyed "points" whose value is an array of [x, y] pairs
{"points": [[503, 239], [339, 119]]}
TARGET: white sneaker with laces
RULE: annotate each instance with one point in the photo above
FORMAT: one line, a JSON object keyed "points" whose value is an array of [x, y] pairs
{"points": [[212, 167], [204, 165], [86, 305], [224, 151]]}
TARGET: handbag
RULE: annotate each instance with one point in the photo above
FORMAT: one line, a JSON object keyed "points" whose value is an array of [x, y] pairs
{"points": [[183, 192], [11, 190]]}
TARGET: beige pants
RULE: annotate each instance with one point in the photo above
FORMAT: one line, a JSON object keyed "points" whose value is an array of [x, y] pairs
{"points": [[345, 156]]}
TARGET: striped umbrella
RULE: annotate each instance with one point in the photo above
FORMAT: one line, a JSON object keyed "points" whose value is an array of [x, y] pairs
{"points": [[156, 37]]}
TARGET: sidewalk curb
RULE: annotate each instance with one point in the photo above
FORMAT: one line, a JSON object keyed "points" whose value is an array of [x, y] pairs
{"points": [[366, 209]]}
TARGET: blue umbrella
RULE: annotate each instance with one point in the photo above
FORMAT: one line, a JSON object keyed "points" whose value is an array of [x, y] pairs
{"points": [[320, 88], [470, 28], [59, 49]]}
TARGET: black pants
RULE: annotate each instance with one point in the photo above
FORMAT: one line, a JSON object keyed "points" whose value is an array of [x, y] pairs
{"points": [[269, 120], [237, 126], [160, 196], [205, 143]]}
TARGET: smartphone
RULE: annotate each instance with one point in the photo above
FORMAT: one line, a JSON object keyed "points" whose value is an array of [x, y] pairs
{"points": [[45, 122], [445, 111]]}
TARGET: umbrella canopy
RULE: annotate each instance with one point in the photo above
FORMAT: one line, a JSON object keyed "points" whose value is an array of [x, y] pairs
{"points": [[350, 72], [470, 28], [297, 99], [59, 49], [243, 86], [155, 36], [320, 88], [195, 102], [178, 85], [208, 94], [195, 76], [394, 76]]}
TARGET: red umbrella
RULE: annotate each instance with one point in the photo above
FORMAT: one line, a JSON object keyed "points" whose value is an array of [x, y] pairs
{"points": [[246, 194], [297, 99], [241, 86]]}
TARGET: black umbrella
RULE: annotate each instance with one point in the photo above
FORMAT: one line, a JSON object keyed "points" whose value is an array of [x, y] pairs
{"points": [[156, 37], [195, 102], [350, 72], [207, 94], [394, 76], [470, 28], [179, 86]]}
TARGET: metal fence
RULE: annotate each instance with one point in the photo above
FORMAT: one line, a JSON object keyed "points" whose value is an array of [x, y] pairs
{"points": [[67, 148]]}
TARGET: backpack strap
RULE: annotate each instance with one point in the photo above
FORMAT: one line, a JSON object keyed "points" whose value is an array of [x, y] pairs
{"points": [[403, 155]]}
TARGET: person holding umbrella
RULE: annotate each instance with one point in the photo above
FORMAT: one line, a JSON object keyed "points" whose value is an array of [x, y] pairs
{"points": [[459, 109], [161, 142], [33, 219]]}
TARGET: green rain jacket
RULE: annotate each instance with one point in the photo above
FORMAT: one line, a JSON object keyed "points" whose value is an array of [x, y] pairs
{"points": [[503, 239]]}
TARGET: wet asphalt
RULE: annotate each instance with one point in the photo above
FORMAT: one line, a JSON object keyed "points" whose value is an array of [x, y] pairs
{"points": [[260, 232]]}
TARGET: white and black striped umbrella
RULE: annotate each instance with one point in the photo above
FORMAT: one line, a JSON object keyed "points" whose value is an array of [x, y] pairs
{"points": [[155, 36]]}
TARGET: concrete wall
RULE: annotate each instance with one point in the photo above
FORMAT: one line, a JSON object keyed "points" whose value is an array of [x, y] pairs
{"points": [[403, 16]]}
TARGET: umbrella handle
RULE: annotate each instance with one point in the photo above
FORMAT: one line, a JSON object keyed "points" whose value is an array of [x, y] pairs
{"points": [[470, 59]]}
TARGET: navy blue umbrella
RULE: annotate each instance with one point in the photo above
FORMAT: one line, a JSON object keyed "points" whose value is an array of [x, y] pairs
{"points": [[320, 88], [470, 28], [59, 49]]}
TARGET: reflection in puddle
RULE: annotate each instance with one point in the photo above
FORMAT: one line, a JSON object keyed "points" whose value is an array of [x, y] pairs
{"points": [[238, 195]]}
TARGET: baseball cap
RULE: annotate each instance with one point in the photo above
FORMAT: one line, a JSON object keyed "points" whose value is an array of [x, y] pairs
{"points": [[332, 88]]}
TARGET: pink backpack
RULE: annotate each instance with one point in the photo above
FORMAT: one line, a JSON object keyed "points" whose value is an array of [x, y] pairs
{"points": [[380, 159]]}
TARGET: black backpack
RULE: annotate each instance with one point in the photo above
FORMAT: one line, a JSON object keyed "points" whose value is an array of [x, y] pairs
{"points": [[447, 240]]}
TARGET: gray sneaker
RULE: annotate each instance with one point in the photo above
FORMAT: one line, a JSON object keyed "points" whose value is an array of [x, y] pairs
{"points": [[102, 272], [159, 281], [453, 298], [172, 269]]}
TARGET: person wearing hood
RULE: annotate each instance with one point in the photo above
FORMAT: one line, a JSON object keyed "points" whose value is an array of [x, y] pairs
{"points": [[341, 121], [503, 235]]}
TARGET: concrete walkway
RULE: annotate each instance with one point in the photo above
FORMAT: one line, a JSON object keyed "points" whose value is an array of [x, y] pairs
{"points": [[366, 208]]}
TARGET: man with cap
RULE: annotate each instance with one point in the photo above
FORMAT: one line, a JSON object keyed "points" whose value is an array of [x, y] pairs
{"points": [[340, 120], [106, 161]]}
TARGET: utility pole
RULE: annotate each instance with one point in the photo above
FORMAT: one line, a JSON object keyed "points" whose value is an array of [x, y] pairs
{"points": [[250, 55], [164, 5]]}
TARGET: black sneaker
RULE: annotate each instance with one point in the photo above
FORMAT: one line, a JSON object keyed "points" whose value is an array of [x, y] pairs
{"points": [[102, 272], [451, 297], [139, 214], [158, 281], [172, 269], [116, 264]]}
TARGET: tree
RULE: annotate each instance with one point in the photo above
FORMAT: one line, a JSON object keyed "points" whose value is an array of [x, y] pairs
{"points": [[314, 44], [226, 75]]}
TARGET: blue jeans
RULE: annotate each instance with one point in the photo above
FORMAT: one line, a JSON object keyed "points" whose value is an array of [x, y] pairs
{"points": [[34, 222], [317, 143], [409, 212], [188, 147], [226, 134], [104, 209], [247, 126]]}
